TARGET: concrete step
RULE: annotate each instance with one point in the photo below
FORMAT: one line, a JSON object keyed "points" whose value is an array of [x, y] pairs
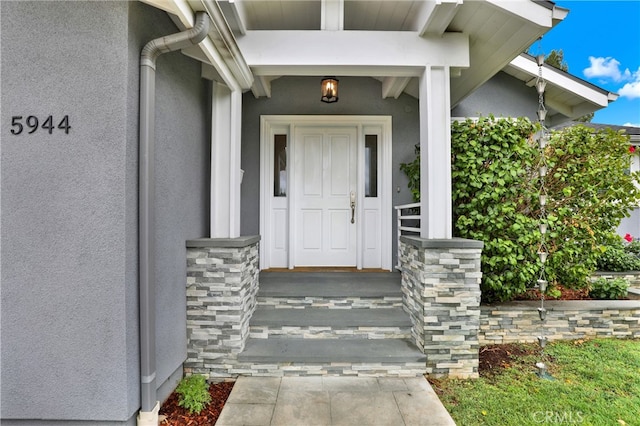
{"points": [[317, 323], [331, 357], [331, 290], [329, 284]]}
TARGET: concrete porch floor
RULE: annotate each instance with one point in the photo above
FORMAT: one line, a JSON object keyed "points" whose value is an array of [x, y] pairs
{"points": [[302, 401]]}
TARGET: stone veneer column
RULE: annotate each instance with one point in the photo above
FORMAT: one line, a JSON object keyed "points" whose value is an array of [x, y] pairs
{"points": [[222, 284], [441, 292]]}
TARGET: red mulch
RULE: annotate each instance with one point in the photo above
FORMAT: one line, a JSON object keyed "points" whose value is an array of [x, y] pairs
{"points": [[565, 294], [178, 416]]}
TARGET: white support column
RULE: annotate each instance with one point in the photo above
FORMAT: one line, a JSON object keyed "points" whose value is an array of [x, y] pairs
{"points": [[235, 179], [225, 161], [435, 153]]}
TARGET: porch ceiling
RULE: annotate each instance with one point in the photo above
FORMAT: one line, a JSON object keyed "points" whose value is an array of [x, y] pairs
{"points": [[496, 30]]}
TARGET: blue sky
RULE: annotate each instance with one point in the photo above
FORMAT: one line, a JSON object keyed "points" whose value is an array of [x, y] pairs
{"points": [[601, 44]]}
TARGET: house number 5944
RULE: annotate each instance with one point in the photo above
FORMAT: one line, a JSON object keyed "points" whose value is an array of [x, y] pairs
{"points": [[31, 124]]}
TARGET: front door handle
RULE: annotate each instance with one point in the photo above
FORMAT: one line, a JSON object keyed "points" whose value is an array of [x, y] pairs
{"points": [[353, 207]]}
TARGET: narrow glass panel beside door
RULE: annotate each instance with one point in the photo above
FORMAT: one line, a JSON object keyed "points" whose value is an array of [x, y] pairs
{"points": [[371, 165], [280, 166]]}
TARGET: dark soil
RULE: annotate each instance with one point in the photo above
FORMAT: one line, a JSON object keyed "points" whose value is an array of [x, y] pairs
{"points": [[565, 294], [174, 415], [494, 358]]}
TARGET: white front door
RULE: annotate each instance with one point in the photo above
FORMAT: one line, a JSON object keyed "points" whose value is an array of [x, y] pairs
{"points": [[325, 196], [310, 167]]}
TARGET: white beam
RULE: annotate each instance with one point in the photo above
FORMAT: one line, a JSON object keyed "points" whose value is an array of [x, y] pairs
{"points": [[235, 11], [309, 52], [438, 16], [560, 107], [435, 154], [261, 87], [394, 86], [332, 15]]}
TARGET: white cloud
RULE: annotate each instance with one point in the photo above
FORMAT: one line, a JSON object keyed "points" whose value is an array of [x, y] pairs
{"points": [[631, 90], [606, 68], [631, 124]]}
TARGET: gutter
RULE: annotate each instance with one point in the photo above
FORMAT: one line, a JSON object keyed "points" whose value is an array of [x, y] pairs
{"points": [[146, 215]]}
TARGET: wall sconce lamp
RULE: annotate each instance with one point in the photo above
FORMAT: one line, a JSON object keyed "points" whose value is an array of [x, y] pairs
{"points": [[329, 90]]}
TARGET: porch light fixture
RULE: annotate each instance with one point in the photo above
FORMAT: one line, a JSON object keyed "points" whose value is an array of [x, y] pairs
{"points": [[329, 90]]}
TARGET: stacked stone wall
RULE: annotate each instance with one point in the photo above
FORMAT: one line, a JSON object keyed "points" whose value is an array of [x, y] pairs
{"points": [[222, 287], [519, 321], [441, 292]]}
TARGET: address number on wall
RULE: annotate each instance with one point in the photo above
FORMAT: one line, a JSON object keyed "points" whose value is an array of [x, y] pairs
{"points": [[32, 124]]}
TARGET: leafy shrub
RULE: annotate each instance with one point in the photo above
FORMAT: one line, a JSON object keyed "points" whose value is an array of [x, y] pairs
{"points": [[633, 248], [194, 393], [619, 258], [590, 190], [495, 191], [608, 289]]}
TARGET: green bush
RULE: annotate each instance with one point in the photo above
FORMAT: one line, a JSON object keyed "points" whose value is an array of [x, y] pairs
{"points": [[608, 289], [619, 258], [194, 393], [495, 191], [633, 248]]}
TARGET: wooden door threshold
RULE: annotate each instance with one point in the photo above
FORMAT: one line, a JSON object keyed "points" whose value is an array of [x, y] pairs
{"points": [[324, 269]]}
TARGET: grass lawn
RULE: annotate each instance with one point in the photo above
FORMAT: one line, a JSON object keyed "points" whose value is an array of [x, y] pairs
{"points": [[597, 382]]}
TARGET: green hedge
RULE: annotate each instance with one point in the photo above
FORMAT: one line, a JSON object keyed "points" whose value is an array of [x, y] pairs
{"points": [[495, 190]]}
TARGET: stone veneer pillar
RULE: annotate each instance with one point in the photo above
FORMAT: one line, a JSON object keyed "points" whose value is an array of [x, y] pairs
{"points": [[441, 292], [222, 285]]}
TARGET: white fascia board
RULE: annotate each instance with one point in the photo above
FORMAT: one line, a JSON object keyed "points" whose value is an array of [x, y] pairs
{"points": [[389, 53], [185, 14], [558, 79], [528, 10], [438, 15], [179, 8]]}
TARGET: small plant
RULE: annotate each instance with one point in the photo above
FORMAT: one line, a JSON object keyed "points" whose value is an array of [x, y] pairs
{"points": [[603, 288], [194, 393]]}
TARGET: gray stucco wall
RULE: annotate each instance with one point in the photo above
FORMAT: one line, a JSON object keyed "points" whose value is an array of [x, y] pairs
{"points": [[502, 96], [68, 221], [631, 224], [301, 96]]}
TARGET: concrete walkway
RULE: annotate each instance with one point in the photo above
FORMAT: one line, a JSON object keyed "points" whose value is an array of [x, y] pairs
{"points": [[302, 401]]}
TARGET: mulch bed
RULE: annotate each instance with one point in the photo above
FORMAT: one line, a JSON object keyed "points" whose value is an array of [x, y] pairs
{"points": [[565, 294], [494, 358], [174, 415]]}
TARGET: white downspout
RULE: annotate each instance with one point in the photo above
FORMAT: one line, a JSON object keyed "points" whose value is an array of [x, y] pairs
{"points": [[146, 216]]}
